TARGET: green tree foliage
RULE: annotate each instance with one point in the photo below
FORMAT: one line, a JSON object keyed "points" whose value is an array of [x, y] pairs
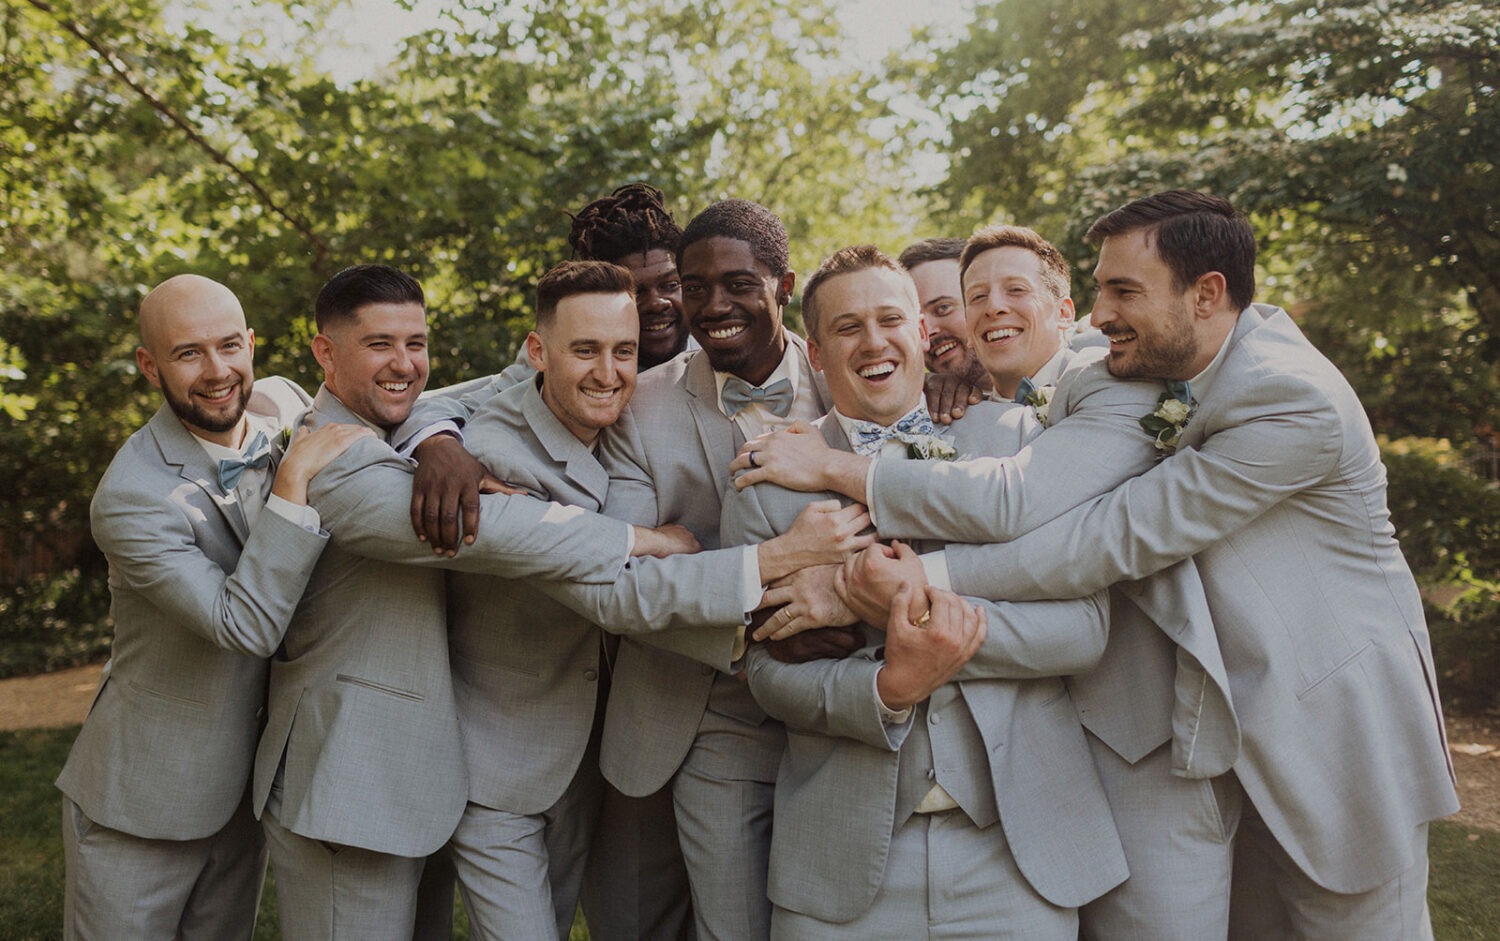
{"points": [[1361, 137], [131, 149]]}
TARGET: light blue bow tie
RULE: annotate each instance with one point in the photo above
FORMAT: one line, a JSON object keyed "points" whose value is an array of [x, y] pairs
{"points": [[257, 455], [1024, 390], [913, 426], [1179, 390], [739, 395]]}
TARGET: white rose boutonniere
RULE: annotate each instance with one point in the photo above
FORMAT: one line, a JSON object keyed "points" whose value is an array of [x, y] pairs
{"points": [[929, 448], [1040, 400], [1166, 423]]}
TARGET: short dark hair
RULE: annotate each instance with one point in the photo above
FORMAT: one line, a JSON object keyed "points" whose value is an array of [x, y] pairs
{"points": [[847, 261], [1054, 265], [634, 218], [940, 249], [578, 277], [748, 222], [358, 285], [1194, 233]]}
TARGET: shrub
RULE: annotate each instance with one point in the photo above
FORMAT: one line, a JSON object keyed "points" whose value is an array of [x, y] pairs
{"points": [[54, 621]]}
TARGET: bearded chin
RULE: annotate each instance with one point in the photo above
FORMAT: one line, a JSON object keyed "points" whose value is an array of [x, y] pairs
{"points": [[191, 414]]}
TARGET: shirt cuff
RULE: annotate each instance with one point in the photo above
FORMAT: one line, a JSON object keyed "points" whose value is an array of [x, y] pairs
{"points": [[870, 494], [935, 564], [629, 542], [298, 514], [750, 584], [887, 715], [409, 446]]}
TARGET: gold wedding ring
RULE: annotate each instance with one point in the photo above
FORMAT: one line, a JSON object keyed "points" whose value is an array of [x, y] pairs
{"points": [[922, 621]]}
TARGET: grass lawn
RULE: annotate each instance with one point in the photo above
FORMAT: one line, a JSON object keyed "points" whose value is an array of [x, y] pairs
{"points": [[1465, 860]]}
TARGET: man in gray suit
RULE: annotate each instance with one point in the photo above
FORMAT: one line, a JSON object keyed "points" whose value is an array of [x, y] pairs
{"points": [[527, 669], [360, 773], [1157, 710], [914, 796], [672, 721], [206, 561], [1275, 488]]}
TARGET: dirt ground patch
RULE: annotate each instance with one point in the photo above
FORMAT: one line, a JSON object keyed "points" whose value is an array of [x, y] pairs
{"points": [[62, 698]]}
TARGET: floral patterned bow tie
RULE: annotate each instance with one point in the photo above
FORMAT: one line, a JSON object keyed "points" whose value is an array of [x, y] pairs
{"points": [[915, 428]]}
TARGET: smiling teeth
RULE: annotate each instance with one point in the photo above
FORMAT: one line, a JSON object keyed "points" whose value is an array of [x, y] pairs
{"points": [[1121, 337], [724, 333], [598, 393], [879, 369], [657, 327], [394, 386], [943, 348], [216, 393], [1004, 333]]}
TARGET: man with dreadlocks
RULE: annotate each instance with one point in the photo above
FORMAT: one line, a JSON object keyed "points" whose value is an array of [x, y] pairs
{"points": [[632, 228]]}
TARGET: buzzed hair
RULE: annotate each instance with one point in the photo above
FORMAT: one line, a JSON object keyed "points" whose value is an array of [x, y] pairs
{"points": [[938, 249], [578, 277], [848, 261], [1194, 233], [358, 285], [748, 222], [634, 218], [1054, 266]]}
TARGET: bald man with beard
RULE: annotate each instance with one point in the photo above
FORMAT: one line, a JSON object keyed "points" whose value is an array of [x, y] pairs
{"points": [[207, 558]]}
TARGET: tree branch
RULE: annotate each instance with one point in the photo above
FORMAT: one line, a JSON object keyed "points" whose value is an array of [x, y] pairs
{"points": [[218, 156]]}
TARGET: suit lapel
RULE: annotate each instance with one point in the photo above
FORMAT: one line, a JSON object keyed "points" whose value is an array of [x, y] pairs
{"points": [[180, 449], [720, 437], [576, 460]]}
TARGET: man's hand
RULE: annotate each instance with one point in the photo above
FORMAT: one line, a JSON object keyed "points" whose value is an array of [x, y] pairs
{"points": [[948, 395], [867, 582], [311, 451], [920, 657], [826, 643], [807, 601], [445, 493], [663, 541], [798, 458], [823, 533]]}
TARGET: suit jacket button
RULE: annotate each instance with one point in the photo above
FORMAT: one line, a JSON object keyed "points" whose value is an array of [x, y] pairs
{"points": [[591, 675], [933, 719]]}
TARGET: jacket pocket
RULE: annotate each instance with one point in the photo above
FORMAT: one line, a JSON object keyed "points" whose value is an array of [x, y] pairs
{"points": [[380, 687]]}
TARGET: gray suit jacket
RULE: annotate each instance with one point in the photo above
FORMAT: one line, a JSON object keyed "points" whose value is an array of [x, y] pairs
{"points": [[1278, 494], [668, 460], [1162, 677], [199, 601], [525, 664], [1015, 752]]}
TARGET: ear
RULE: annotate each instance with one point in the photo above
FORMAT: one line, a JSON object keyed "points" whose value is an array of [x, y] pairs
{"points": [[250, 340], [1066, 312], [1210, 292], [144, 360], [784, 289], [322, 350], [534, 350], [813, 356], [922, 330]]}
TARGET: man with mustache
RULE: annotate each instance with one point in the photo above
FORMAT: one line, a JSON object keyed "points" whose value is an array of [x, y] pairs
{"points": [[207, 559], [933, 264]]}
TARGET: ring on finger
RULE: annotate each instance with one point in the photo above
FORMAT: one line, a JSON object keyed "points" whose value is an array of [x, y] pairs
{"points": [[752, 459]]}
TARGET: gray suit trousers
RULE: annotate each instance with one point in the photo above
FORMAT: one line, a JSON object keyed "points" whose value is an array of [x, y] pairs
{"points": [[121, 887]]}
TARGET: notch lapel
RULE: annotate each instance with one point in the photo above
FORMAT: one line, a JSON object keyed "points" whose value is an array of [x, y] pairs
{"points": [[720, 437], [180, 449]]}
